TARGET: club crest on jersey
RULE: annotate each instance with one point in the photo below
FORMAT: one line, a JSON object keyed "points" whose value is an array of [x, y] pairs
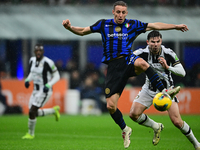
{"points": [[107, 90], [118, 29], [127, 25]]}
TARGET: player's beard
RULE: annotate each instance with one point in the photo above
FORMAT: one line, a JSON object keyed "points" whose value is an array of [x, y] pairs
{"points": [[154, 50], [39, 57]]}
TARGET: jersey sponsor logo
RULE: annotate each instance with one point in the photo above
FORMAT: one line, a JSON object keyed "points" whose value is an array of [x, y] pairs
{"points": [[118, 35], [157, 66]]}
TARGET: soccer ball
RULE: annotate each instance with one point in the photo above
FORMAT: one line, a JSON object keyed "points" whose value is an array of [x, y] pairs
{"points": [[161, 102]]}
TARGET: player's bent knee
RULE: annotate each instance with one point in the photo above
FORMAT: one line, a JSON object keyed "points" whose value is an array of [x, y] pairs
{"points": [[177, 123], [133, 116], [111, 108], [32, 114], [142, 64], [111, 104]]}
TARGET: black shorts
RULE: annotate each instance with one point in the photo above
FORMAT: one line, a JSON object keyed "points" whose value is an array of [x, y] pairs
{"points": [[119, 71]]}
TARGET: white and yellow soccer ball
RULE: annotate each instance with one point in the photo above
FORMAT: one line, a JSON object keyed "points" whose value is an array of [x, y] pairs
{"points": [[162, 102]]}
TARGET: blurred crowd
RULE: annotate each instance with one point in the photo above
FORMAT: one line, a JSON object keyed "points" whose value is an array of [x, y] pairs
{"points": [[177, 3], [90, 81], [79, 79], [4, 107]]}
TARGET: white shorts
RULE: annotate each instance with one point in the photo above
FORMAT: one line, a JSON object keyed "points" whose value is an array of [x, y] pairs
{"points": [[146, 99], [39, 98]]}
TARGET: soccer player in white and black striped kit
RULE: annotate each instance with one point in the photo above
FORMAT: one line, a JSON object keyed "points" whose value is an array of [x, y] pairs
{"points": [[44, 74], [164, 61]]}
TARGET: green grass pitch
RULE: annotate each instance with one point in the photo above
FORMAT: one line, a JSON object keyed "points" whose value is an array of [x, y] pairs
{"points": [[91, 133]]}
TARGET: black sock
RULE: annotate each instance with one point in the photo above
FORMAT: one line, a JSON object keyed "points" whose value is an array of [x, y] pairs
{"points": [[154, 79], [118, 118]]}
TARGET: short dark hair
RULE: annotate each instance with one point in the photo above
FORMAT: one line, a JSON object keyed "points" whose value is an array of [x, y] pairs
{"points": [[121, 3], [153, 34]]}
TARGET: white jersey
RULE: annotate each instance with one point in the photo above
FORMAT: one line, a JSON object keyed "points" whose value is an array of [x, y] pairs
{"points": [[41, 71], [164, 74]]}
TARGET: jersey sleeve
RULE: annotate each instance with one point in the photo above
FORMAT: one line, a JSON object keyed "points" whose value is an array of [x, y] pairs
{"points": [[96, 27], [141, 27], [141, 53], [53, 66], [177, 70], [29, 76], [174, 58], [30, 64], [138, 52]]}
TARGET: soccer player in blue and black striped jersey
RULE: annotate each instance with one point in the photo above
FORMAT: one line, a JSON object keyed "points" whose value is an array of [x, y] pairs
{"points": [[118, 35]]}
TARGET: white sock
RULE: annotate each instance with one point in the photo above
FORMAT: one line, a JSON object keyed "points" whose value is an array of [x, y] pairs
{"points": [[146, 121], [44, 112], [185, 129], [31, 126]]}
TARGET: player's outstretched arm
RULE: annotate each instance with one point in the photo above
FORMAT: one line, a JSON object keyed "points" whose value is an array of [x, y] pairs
{"points": [[76, 30], [165, 26]]}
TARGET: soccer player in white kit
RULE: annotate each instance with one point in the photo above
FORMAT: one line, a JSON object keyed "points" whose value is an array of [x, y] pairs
{"points": [[164, 61], [44, 75]]}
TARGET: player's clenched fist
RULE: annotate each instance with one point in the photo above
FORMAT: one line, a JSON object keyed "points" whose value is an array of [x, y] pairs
{"points": [[66, 23]]}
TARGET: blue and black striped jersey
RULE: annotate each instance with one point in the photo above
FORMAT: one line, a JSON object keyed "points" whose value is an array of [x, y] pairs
{"points": [[117, 39]]}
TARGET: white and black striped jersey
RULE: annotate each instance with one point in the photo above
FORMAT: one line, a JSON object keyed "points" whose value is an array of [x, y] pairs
{"points": [[165, 75], [41, 71]]}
